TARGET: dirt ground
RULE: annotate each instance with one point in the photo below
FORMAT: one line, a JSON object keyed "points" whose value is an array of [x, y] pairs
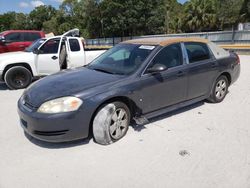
{"points": [[204, 145]]}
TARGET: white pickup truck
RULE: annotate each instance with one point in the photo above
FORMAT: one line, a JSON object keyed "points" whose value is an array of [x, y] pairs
{"points": [[44, 57]]}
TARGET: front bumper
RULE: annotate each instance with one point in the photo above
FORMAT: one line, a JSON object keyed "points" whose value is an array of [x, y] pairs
{"points": [[61, 127]]}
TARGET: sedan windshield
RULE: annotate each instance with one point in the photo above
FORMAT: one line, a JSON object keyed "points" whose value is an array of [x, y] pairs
{"points": [[35, 45], [122, 59]]}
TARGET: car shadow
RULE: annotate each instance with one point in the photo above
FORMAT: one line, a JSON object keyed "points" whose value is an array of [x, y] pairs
{"points": [[136, 127], [62, 145], [139, 128], [3, 86]]}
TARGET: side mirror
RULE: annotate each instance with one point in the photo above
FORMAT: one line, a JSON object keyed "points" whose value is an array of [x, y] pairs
{"points": [[157, 68], [2, 40], [36, 51]]}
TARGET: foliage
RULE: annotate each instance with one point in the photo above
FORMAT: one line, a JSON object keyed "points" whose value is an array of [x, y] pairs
{"points": [[201, 15], [40, 15], [112, 18], [229, 12]]}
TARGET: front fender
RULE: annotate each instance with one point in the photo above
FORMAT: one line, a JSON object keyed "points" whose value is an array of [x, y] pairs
{"points": [[4, 65], [123, 95]]}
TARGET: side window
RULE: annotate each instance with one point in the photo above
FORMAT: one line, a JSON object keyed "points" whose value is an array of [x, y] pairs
{"points": [[50, 47], [13, 37], [197, 51], [26, 36], [74, 45], [34, 36], [170, 56]]}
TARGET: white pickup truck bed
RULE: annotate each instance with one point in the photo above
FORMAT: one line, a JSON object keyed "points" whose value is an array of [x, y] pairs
{"points": [[91, 55]]}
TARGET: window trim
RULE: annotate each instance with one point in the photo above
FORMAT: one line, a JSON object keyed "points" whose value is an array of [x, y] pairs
{"points": [[211, 56], [57, 38], [77, 43], [11, 33], [183, 59]]}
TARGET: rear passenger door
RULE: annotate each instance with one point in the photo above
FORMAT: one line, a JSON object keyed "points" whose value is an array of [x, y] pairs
{"points": [[202, 69], [75, 52]]}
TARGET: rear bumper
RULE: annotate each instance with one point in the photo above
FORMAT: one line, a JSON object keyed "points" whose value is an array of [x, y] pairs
{"points": [[1, 76], [235, 73], [62, 127]]}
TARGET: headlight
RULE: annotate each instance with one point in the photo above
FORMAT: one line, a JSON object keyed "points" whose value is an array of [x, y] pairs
{"points": [[64, 104]]}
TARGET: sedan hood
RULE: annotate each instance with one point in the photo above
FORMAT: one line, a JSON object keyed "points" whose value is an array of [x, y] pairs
{"points": [[66, 83]]}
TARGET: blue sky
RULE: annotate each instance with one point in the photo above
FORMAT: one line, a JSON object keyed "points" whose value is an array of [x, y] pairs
{"points": [[26, 6]]}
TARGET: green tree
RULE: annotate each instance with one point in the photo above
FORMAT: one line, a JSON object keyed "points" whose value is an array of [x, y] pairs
{"points": [[6, 20], [201, 15], [21, 22], [245, 11], [229, 13], [173, 16], [40, 15], [132, 17]]}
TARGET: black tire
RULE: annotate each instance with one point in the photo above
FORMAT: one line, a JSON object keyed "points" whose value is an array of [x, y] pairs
{"points": [[218, 92], [18, 77], [105, 129]]}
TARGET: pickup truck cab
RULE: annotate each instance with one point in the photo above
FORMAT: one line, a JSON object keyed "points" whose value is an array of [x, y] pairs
{"points": [[18, 40], [42, 58]]}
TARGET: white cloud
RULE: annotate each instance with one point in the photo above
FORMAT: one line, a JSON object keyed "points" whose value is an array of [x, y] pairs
{"points": [[31, 4], [59, 1], [36, 3], [24, 5]]}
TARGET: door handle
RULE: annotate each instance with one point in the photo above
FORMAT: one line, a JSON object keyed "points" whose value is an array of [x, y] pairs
{"points": [[180, 74], [213, 65], [21, 46], [54, 57]]}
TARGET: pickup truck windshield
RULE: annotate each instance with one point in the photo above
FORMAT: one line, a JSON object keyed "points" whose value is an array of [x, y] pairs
{"points": [[122, 59], [35, 45]]}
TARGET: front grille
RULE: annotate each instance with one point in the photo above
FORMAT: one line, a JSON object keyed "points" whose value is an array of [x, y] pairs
{"points": [[50, 133]]}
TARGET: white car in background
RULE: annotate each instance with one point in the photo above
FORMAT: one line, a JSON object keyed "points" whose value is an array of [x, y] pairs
{"points": [[44, 57]]}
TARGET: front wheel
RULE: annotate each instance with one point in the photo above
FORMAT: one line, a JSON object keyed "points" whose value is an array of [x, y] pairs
{"points": [[111, 123], [220, 90], [18, 77]]}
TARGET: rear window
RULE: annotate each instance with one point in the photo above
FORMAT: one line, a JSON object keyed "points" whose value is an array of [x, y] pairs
{"points": [[197, 51], [34, 36], [74, 45], [31, 36]]}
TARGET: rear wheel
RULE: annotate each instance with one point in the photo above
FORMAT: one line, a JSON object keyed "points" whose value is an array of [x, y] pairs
{"points": [[111, 123], [18, 77], [220, 90]]}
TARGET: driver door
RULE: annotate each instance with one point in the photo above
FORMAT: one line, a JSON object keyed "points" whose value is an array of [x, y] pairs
{"points": [[48, 58], [168, 87]]}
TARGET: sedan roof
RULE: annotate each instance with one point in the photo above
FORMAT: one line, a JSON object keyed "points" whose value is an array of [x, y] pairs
{"points": [[163, 41]]}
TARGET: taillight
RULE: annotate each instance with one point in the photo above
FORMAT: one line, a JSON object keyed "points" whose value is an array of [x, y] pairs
{"points": [[238, 58]]}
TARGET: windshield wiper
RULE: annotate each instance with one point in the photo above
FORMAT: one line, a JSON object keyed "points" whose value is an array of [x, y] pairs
{"points": [[102, 70]]}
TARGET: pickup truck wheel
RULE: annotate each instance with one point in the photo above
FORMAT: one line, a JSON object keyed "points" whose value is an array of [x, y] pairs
{"points": [[111, 123], [17, 77], [220, 90]]}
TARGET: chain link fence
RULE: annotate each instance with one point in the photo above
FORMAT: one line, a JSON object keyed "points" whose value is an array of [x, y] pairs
{"points": [[220, 37]]}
